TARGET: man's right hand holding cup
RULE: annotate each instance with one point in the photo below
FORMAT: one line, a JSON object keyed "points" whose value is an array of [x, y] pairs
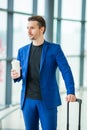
{"points": [[15, 71]]}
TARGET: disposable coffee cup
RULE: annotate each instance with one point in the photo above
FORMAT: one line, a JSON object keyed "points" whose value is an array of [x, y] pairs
{"points": [[16, 66]]}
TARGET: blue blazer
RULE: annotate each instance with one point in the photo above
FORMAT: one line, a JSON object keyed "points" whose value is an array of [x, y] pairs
{"points": [[52, 58]]}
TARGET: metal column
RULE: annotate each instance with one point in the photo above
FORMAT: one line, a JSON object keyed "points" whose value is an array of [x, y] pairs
{"points": [[35, 7], [82, 42], [9, 52], [49, 11]]}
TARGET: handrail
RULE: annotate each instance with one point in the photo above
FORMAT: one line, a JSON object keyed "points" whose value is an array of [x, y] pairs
{"points": [[7, 114]]}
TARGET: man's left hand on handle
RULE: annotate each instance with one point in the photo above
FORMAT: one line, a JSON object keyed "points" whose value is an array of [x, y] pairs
{"points": [[70, 98]]}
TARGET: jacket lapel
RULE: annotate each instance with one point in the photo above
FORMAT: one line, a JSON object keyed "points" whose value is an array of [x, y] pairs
{"points": [[27, 51], [44, 50]]}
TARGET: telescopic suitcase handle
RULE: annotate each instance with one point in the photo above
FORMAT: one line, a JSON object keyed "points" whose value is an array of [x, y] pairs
{"points": [[79, 122]]}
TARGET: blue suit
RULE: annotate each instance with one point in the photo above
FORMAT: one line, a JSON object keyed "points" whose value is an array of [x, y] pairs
{"points": [[51, 58]]}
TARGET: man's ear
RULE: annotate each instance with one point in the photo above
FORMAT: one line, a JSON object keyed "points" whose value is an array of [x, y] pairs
{"points": [[42, 29]]}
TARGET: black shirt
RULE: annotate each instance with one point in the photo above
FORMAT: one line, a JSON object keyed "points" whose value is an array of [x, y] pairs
{"points": [[33, 76]]}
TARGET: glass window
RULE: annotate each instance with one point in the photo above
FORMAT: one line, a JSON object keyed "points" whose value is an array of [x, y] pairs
{"points": [[86, 11], [71, 9], [70, 37], [3, 4], [54, 30], [85, 72], [16, 91], [23, 5], [2, 82], [55, 8], [85, 39], [74, 64], [85, 59], [3, 32], [20, 36], [41, 7]]}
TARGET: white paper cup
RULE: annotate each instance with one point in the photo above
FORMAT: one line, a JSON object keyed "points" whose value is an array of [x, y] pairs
{"points": [[16, 66]]}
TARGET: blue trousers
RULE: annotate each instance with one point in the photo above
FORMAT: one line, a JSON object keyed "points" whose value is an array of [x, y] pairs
{"points": [[36, 109]]}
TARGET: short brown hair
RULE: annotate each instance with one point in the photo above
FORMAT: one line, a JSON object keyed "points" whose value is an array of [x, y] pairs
{"points": [[40, 20]]}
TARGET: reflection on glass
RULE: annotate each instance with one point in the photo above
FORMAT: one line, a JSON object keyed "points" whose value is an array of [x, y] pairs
{"points": [[20, 36], [3, 4], [74, 64], [2, 82], [70, 37], [41, 7], [23, 5], [3, 29], [71, 9]]}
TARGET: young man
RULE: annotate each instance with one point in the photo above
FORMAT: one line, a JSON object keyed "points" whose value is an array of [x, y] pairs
{"points": [[40, 94]]}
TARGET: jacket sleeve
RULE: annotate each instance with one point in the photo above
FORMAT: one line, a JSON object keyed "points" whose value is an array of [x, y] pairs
{"points": [[65, 71]]}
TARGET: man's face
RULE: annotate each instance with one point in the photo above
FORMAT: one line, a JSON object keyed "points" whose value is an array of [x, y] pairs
{"points": [[34, 31]]}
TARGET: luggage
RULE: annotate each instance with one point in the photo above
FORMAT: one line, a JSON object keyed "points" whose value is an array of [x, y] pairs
{"points": [[79, 121]]}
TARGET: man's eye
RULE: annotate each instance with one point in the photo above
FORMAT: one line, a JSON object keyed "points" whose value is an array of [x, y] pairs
{"points": [[32, 28]]}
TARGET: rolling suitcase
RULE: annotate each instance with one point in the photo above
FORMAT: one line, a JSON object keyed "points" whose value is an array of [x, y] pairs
{"points": [[79, 121]]}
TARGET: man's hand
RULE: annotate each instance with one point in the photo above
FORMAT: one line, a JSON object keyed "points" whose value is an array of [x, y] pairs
{"points": [[70, 98], [14, 74]]}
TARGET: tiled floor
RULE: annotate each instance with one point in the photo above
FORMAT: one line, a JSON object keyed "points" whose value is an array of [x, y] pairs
{"points": [[15, 121]]}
